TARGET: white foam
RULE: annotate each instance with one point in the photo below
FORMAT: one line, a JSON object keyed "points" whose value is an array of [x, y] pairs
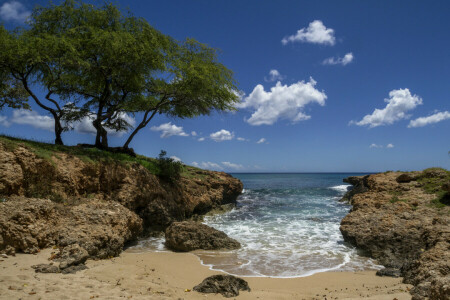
{"points": [[341, 188]]}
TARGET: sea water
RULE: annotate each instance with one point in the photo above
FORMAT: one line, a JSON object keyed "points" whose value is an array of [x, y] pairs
{"points": [[288, 226]]}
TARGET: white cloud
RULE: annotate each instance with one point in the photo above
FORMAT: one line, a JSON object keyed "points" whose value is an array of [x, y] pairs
{"points": [[193, 133], [274, 75], [175, 158], [241, 139], [4, 121], [390, 146], [262, 140], [222, 135], [201, 139], [348, 58], [375, 146], [207, 165], [168, 130], [435, 118], [316, 33], [14, 11], [399, 103], [230, 165], [28, 117], [282, 102]]}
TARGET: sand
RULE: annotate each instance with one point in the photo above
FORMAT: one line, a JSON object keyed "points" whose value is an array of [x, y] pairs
{"points": [[167, 275]]}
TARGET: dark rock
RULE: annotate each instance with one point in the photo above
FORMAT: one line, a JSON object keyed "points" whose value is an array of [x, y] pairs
{"points": [[72, 255], [227, 285], [389, 272], [405, 178], [359, 186], [45, 268], [74, 269], [188, 236]]}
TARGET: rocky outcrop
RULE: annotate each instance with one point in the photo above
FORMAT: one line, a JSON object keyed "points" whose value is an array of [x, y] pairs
{"points": [[55, 198], [60, 176], [359, 186], [189, 236], [93, 229], [398, 220], [227, 285]]}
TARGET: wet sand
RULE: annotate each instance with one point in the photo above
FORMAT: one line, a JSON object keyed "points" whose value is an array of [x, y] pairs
{"points": [[168, 275]]}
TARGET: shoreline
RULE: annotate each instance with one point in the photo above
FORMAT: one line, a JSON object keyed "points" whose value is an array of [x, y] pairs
{"points": [[171, 275]]}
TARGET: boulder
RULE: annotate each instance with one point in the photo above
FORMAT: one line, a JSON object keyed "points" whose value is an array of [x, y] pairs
{"points": [[72, 255], [227, 285], [405, 178], [46, 268], [389, 272], [187, 236]]}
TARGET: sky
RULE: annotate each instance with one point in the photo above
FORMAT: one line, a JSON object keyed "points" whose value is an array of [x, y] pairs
{"points": [[326, 86]]}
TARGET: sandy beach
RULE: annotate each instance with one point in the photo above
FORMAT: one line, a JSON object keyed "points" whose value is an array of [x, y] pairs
{"points": [[167, 275]]}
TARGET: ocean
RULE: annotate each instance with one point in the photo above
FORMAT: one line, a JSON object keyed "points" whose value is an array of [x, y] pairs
{"points": [[288, 226]]}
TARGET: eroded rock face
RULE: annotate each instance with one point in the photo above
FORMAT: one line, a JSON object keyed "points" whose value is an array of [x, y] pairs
{"points": [[157, 202], [393, 221], [188, 236], [227, 285], [94, 229]]}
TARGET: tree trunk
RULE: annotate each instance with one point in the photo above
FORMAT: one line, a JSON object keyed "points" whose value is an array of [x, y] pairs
{"points": [[58, 131]]}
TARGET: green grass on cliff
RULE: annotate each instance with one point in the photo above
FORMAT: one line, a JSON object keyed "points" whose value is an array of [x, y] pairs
{"points": [[432, 181], [47, 151]]}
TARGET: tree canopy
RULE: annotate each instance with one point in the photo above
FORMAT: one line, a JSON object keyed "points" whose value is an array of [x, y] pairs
{"points": [[103, 64]]}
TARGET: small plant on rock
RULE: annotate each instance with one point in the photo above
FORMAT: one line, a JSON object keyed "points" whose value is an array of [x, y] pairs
{"points": [[169, 168]]}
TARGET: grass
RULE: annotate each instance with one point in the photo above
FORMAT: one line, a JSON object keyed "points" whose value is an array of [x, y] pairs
{"points": [[433, 185]]}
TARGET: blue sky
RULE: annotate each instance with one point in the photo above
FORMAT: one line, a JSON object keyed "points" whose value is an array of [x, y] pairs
{"points": [[336, 63]]}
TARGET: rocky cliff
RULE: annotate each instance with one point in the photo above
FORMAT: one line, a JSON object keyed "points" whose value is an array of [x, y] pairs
{"points": [[66, 196], [403, 220]]}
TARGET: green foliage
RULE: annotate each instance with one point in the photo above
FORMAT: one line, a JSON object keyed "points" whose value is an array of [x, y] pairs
{"points": [[432, 181], [168, 167]]}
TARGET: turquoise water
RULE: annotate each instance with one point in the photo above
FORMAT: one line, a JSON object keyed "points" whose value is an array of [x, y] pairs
{"points": [[288, 225]]}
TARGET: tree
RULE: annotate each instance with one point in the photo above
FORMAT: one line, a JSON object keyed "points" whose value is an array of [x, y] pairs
{"points": [[103, 64], [27, 61]]}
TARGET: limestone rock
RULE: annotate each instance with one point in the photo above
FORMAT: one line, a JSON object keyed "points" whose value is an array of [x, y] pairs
{"points": [[390, 272], [188, 236], [46, 268], [227, 285]]}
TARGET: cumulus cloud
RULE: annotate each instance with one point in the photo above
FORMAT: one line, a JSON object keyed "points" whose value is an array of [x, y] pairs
{"points": [[4, 121], [33, 118], [375, 146], [398, 104], [193, 133], [274, 75], [315, 33], [241, 139], [168, 130], [348, 58], [230, 165], [282, 102], [201, 139], [175, 158], [207, 165], [390, 146], [262, 140], [221, 135], [14, 11], [424, 121]]}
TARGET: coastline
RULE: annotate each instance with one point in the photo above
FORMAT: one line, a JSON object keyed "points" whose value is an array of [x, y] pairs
{"points": [[169, 275]]}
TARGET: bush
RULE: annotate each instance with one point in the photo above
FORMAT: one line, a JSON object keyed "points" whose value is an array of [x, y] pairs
{"points": [[168, 168]]}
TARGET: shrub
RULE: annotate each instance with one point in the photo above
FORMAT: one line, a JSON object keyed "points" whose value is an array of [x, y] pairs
{"points": [[168, 168]]}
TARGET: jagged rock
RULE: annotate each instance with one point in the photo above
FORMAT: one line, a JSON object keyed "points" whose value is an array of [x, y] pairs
{"points": [[227, 285], [74, 269], [46, 268], [405, 178], [359, 186], [72, 255], [188, 236], [389, 272], [395, 223], [100, 228]]}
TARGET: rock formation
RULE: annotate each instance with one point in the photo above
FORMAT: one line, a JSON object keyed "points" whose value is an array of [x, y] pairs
{"points": [[227, 285], [50, 198], [188, 236], [401, 220]]}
